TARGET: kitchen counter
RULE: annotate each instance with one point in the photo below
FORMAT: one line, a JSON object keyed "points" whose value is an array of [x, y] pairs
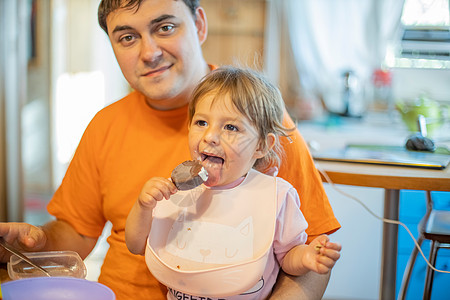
{"points": [[375, 130]]}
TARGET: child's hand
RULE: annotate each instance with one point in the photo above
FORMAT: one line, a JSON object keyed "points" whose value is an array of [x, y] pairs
{"points": [[156, 189], [321, 255]]}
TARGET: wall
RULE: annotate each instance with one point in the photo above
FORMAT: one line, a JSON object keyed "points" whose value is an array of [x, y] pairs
{"points": [[2, 123], [12, 97], [36, 111], [76, 62], [408, 83], [70, 46]]}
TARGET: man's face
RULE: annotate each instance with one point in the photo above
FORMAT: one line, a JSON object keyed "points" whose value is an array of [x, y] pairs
{"points": [[158, 48]]}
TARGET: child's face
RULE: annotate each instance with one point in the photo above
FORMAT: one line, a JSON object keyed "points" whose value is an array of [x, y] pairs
{"points": [[225, 141]]}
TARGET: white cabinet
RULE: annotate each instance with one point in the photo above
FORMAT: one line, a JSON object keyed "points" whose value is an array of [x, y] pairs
{"points": [[357, 273]]}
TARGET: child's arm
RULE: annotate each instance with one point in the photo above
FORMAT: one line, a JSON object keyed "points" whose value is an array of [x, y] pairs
{"points": [[140, 218], [319, 256]]}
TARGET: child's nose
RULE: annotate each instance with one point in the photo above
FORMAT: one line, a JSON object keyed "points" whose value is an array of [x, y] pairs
{"points": [[212, 136]]}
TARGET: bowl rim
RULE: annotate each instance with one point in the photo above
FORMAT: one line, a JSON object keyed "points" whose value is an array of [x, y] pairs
{"points": [[79, 281]]}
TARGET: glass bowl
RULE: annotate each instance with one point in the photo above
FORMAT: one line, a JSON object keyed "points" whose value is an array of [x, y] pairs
{"points": [[56, 263]]}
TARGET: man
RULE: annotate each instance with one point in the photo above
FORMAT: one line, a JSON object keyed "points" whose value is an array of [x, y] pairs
{"points": [[157, 44]]}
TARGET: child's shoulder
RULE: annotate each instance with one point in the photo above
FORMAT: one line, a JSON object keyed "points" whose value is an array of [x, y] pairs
{"points": [[284, 185], [285, 190], [281, 182]]}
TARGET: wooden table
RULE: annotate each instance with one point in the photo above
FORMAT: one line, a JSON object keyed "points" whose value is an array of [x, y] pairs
{"points": [[392, 180]]}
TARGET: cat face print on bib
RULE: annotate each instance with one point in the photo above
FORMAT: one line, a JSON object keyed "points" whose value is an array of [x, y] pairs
{"points": [[212, 243]]}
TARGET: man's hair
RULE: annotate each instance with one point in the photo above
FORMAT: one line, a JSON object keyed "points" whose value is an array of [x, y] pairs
{"points": [[108, 6], [255, 98]]}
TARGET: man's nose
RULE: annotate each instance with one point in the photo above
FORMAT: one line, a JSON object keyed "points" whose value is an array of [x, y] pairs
{"points": [[150, 50]]}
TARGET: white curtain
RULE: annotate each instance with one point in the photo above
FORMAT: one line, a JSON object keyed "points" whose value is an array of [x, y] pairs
{"points": [[329, 37]]}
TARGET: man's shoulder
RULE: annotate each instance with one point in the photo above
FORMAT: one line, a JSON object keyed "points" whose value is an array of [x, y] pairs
{"points": [[128, 101], [115, 112]]}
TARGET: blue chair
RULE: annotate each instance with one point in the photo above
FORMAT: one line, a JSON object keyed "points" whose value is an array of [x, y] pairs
{"points": [[435, 227]]}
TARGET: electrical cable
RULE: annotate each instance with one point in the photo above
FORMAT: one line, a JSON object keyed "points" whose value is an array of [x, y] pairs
{"points": [[389, 221]]}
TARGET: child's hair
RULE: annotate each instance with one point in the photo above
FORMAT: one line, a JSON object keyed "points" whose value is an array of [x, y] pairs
{"points": [[254, 97]]}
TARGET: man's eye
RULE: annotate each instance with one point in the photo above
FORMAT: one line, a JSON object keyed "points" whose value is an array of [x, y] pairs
{"points": [[126, 39], [165, 29], [231, 127]]}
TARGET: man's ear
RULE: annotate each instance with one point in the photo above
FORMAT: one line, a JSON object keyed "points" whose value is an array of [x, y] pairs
{"points": [[265, 146], [202, 24]]}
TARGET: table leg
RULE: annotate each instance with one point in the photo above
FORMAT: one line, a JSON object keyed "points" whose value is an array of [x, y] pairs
{"points": [[389, 250]]}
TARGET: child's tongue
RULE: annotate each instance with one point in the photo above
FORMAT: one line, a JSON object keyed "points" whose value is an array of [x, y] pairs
{"points": [[213, 166]]}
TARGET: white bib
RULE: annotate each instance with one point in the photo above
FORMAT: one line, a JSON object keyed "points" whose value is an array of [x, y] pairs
{"points": [[218, 246]]}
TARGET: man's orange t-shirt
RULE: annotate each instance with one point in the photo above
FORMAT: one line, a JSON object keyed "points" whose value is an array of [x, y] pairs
{"points": [[126, 144]]}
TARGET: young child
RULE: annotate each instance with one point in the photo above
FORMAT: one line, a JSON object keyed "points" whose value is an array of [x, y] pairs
{"points": [[235, 123]]}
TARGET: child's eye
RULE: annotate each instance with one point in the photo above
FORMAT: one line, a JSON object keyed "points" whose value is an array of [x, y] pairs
{"points": [[231, 127], [201, 123]]}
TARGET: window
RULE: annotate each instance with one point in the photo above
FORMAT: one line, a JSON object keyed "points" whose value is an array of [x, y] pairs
{"points": [[425, 39]]}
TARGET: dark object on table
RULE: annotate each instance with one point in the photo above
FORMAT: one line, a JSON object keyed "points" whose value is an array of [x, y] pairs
{"points": [[189, 175], [418, 142]]}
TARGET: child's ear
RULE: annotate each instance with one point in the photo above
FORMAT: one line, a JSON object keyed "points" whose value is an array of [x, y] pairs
{"points": [[265, 146]]}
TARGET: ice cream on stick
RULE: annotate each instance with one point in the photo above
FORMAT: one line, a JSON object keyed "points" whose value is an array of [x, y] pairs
{"points": [[189, 175]]}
